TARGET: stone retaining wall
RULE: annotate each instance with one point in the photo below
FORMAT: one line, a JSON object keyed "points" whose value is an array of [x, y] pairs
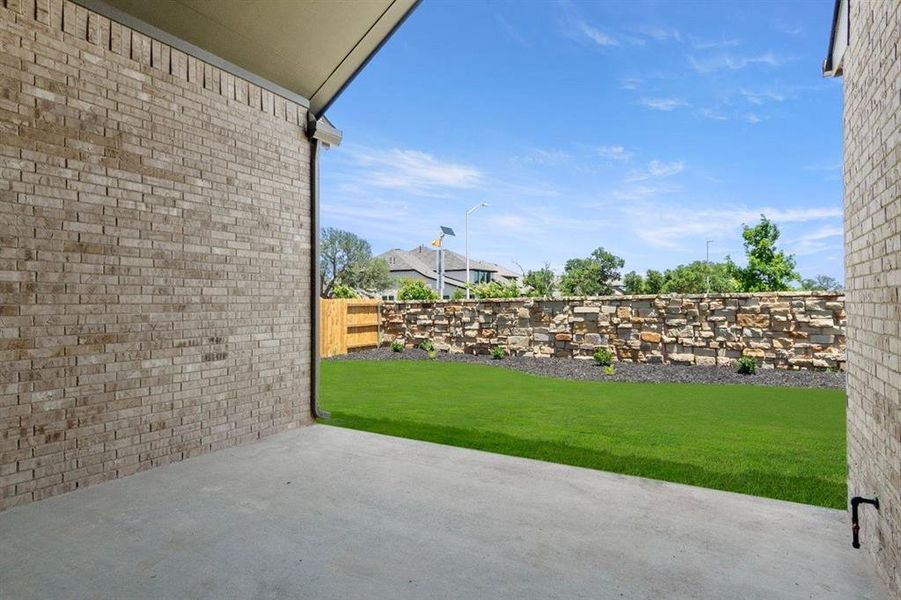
{"points": [[788, 330]]}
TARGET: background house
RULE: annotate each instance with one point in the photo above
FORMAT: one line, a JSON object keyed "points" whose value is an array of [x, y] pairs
{"points": [[419, 263]]}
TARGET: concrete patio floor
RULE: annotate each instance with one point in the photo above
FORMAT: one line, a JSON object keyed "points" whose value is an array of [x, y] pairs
{"points": [[324, 512]]}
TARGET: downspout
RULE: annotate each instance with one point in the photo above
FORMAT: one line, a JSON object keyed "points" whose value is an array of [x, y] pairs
{"points": [[319, 132]]}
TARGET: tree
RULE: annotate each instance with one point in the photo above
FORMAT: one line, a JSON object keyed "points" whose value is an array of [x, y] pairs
{"points": [[591, 276], [693, 279], [768, 269], [414, 289], [633, 283], [822, 283], [541, 283], [654, 282], [684, 279], [346, 259], [344, 291]]}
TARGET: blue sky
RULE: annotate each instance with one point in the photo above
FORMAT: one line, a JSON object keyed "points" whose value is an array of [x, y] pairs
{"points": [[644, 127]]}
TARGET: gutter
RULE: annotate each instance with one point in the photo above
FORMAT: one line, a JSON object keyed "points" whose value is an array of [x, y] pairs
{"points": [[321, 112], [320, 133]]}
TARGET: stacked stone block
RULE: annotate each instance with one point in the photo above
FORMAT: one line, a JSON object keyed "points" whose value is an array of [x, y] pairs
{"points": [[154, 254], [783, 330]]}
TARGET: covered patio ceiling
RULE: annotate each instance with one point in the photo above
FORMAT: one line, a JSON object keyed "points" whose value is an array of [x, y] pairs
{"points": [[307, 51]]}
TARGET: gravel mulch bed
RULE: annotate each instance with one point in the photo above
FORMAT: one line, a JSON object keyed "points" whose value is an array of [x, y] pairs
{"points": [[587, 370]]}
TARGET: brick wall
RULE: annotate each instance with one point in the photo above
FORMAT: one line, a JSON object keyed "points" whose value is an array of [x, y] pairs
{"points": [[872, 120], [154, 254], [786, 330]]}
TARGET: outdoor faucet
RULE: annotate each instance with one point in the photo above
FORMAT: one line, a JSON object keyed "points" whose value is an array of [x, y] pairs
{"points": [[855, 527]]}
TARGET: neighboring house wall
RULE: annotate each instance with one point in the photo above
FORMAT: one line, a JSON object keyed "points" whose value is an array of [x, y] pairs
{"points": [[786, 330], [872, 118], [154, 254]]}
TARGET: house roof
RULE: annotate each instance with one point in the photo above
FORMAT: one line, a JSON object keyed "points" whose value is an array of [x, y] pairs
{"points": [[453, 261], [402, 260], [304, 51]]}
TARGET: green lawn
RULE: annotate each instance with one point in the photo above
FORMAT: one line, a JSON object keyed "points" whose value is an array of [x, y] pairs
{"points": [[777, 442]]}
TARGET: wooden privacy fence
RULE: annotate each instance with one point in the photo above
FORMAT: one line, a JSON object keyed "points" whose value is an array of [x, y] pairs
{"points": [[347, 325]]}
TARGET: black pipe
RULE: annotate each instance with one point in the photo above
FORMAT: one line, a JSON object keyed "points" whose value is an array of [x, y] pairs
{"points": [[855, 527]]}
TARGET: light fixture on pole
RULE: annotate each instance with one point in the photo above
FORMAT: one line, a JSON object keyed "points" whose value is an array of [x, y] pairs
{"points": [[708, 265], [469, 212], [439, 260]]}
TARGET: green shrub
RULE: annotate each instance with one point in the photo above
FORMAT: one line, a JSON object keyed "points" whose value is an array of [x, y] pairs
{"points": [[427, 345], [746, 365], [344, 291], [609, 370], [498, 353], [433, 354], [496, 289], [413, 289], [603, 357], [459, 294], [397, 346]]}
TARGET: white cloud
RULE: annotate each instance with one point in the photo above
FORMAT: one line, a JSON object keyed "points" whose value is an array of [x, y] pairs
{"points": [[595, 35], [752, 118], [817, 241], [699, 44], [412, 170], [677, 227], [664, 104], [537, 156], [614, 152], [630, 83], [657, 169], [719, 62], [712, 113], [759, 98], [658, 33]]}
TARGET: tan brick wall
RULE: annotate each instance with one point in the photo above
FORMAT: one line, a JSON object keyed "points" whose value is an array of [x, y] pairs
{"points": [[788, 330], [154, 254], [872, 73]]}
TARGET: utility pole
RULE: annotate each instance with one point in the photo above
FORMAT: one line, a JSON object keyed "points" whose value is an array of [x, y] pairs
{"points": [[439, 260], [469, 212]]}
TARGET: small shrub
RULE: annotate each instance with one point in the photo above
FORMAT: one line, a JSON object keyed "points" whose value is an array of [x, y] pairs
{"points": [[498, 353], [427, 345], [413, 289], [746, 365], [397, 346], [433, 354], [609, 370], [603, 357], [496, 289], [344, 291]]}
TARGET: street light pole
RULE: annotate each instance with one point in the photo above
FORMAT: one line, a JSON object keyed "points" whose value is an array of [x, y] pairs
{"points": [[469, 212], [708, 265]]}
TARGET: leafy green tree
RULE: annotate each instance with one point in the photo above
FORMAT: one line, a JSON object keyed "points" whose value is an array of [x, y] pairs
{"points": [[821, 283], [541, 283], [654, 281], [343, 291], [496, 289], [768, 269], [692, 279], [414, 289], [633, 283], [346, 259], [591, 276]]}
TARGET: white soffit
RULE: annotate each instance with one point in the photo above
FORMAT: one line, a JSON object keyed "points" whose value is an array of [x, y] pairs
{"points": [[309, 48]]}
